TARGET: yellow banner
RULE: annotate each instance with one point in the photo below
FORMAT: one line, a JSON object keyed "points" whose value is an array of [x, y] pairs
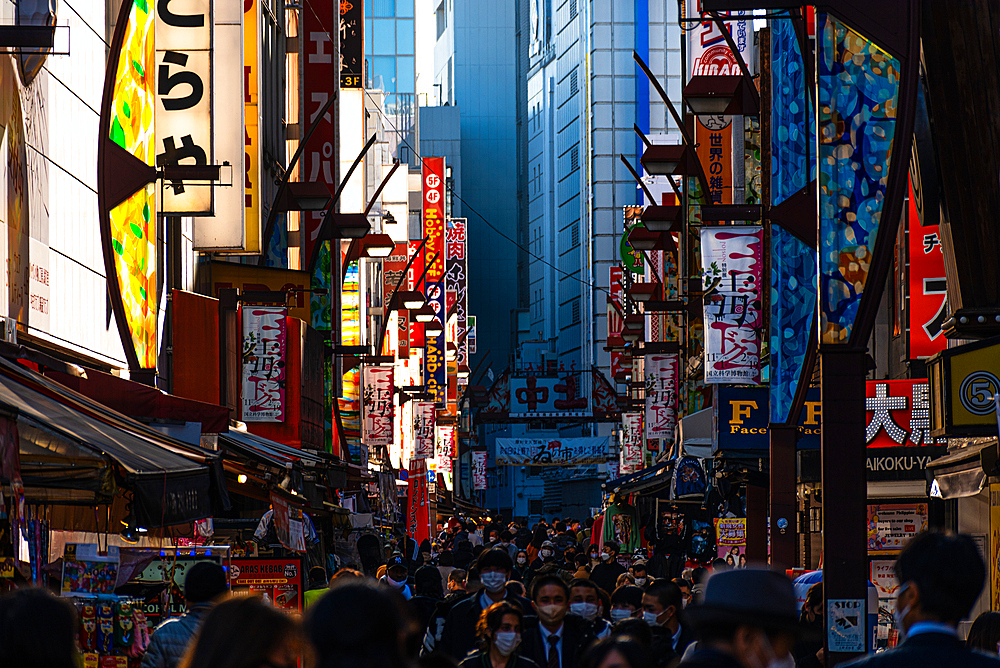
{"points": [[251, 82]]}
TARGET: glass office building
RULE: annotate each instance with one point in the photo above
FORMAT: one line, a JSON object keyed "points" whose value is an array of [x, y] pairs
{"points": [[389, 50]]}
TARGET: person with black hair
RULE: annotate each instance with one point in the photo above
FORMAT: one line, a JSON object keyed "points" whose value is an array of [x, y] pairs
{"points": [[359, 624], [428, 593], [605, 574], [554, 638], [585, 601], [626, 603], [619, 651], [748, 619], [521, 565], [940, 577], [317, 586], [662, 604], [808, 651], [245, 632], [507, 543], [204, 584], [985, 633], [459, 633], [499, 634], [37, 629]]}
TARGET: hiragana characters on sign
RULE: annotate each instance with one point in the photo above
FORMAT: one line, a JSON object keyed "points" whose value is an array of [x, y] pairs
{"points": [[880, 405]]}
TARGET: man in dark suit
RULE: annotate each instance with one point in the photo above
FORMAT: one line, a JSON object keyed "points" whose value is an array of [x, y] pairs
{"points": [[555, 638], [662, 602], [940, 579], [459, 633]]}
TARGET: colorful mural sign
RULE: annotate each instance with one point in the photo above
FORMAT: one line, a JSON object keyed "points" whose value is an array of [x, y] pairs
{"points": [[732, 266], [891, 525], [264, 363]]}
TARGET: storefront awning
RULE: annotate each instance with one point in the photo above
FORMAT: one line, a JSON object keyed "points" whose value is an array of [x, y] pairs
{"points": [[72, 451], [696, 434], [647, 480], [963, 471], [271, 452]]}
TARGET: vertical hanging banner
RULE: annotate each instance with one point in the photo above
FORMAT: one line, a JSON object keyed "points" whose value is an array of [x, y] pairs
{"points": [[479, 470], [379, 411], [424, 419], [416, 329], [392, 270], [445, 452], [183, 117], [616, 323], [352, 44], [631, 443], [456, 282], [264, 364], [928, 287], [662, 384], [417, 526], [732, 263], [319, 76], [252, 157], [432, 178]]}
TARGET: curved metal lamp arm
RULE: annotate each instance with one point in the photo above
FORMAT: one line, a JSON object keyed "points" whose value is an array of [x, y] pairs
{"points": [[392, 298]]}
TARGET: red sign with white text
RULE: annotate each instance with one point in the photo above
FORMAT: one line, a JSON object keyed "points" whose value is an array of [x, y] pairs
{"points": [[928, 288], [318, 80], [435, 377], [413, 279], [898, 412]]}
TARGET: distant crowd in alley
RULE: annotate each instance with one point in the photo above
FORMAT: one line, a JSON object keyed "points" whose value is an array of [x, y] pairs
{"points": [[547, 596]]}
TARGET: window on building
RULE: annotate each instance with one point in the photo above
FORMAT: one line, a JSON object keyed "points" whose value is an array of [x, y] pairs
{"points": [[816, 519], [536, 506], [575, 234], [384, 73], [404, 8], [572, 9], [574, 83], [574, 158], [576, 310], [383, 37], [405, 77], [384, 8], [441, 14], [404, 37]]}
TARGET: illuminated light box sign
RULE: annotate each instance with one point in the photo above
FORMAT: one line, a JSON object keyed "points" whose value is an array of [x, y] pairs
{"points": [[741, 419]]}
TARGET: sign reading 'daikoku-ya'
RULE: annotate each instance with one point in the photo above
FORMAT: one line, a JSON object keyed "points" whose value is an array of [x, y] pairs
{"points": [[732, 262], [263, 364], [379, 411], [631, 443], [551, 451], [183, 116], [352, 44], [424, 421], [479, 470], [435, 365], [662, 376]]}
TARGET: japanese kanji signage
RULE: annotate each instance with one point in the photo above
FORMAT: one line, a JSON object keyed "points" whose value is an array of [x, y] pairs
{"points": [[435, 379], [392, 270], [631, 443], [662, 380], [898, 413], [547, 397], [525, 398], [445, 451], [479, 470], [278, 581], [551, 451], [732, 262], [424, 421], [714, 135], [183, 116], [379, 410], [616, 297], [253, 152], [318, 80], [928, 306], [415, 328], [418, 517], [456, 282], [263, 364], [352, 44]]}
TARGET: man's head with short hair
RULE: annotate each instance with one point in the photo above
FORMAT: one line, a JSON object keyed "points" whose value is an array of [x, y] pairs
{"points": [[628, 596], [612, 547], [663, 598], [204, 582], [546, 580], [940, 577], [495, 559], [456, 579]]}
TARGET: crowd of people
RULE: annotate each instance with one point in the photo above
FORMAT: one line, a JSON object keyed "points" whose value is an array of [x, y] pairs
{"points": [[558, 602]]}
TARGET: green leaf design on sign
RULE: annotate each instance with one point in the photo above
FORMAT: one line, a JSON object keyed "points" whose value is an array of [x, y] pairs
{"points": [[135, 230], [117, 246], [117, 133]]}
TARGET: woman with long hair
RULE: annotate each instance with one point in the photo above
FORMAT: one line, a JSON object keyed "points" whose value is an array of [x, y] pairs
{"points": [[499, 632], [245, 633], [985, 633]]}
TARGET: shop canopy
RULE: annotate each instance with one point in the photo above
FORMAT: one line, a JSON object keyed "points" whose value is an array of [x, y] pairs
{"points": [[76, 451], [963, 471], [696, 434], [648, 480]]}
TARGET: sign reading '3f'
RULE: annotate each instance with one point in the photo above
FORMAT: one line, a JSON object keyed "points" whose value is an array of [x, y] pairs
{"points": [[183, 117]]}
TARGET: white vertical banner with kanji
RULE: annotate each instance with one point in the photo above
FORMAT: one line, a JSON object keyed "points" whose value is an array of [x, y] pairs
{"points": [[631, 443], [732, 266], [444, 452], [379, 410], [264, 364], [424, 419], [662, 376], [479, 470]]}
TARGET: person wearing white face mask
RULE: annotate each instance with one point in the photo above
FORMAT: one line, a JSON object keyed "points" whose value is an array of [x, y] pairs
{"points": [[499, 632], [554, 639], [396, 575], [585, 601], [748, 619], [605, 574], [941, 577], [459, 633], [626, 603], [662, 604]]}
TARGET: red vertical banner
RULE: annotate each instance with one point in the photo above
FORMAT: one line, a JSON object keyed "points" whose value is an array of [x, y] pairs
{"points": [[392, 270], [457, 286], [416, 269], [432, 178], [379, 411], [928, 288], [319, 72], [615, 320], [418, 521]]}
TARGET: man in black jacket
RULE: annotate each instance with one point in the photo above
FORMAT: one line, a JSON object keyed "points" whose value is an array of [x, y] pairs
{"points": [[940, 579], [661, 605], [459, 634], [555, 638], [605, 574]]}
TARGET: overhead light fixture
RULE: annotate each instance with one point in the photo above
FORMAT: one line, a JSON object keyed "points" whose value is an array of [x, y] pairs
{"points": [[433, 328], [463, 371], [304, 196], [642, 239], [347, 226], [643, 292], [425, 313], [721, 96], [451, 352], [378, 245], [634, 323], [410, 299], [663, 218], [632, 335], [665, 159]]}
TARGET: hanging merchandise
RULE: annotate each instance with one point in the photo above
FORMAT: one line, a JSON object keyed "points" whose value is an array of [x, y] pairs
{"points": [[700, 538], [621, 525], [689, 479]]}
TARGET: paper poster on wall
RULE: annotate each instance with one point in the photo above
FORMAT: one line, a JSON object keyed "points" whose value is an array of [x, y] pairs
{"points": [[731, 540], [845, 625], [278, 581], [891, 525], [662, 381], [479, 470], [424, 419], [631, 443]]}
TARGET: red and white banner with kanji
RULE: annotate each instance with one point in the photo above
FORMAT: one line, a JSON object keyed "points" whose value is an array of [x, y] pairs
{"points": [[732, 265], [379, 410], [424, 421], [662, 381], [479, 470], [631, 443], [928, 307]]}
